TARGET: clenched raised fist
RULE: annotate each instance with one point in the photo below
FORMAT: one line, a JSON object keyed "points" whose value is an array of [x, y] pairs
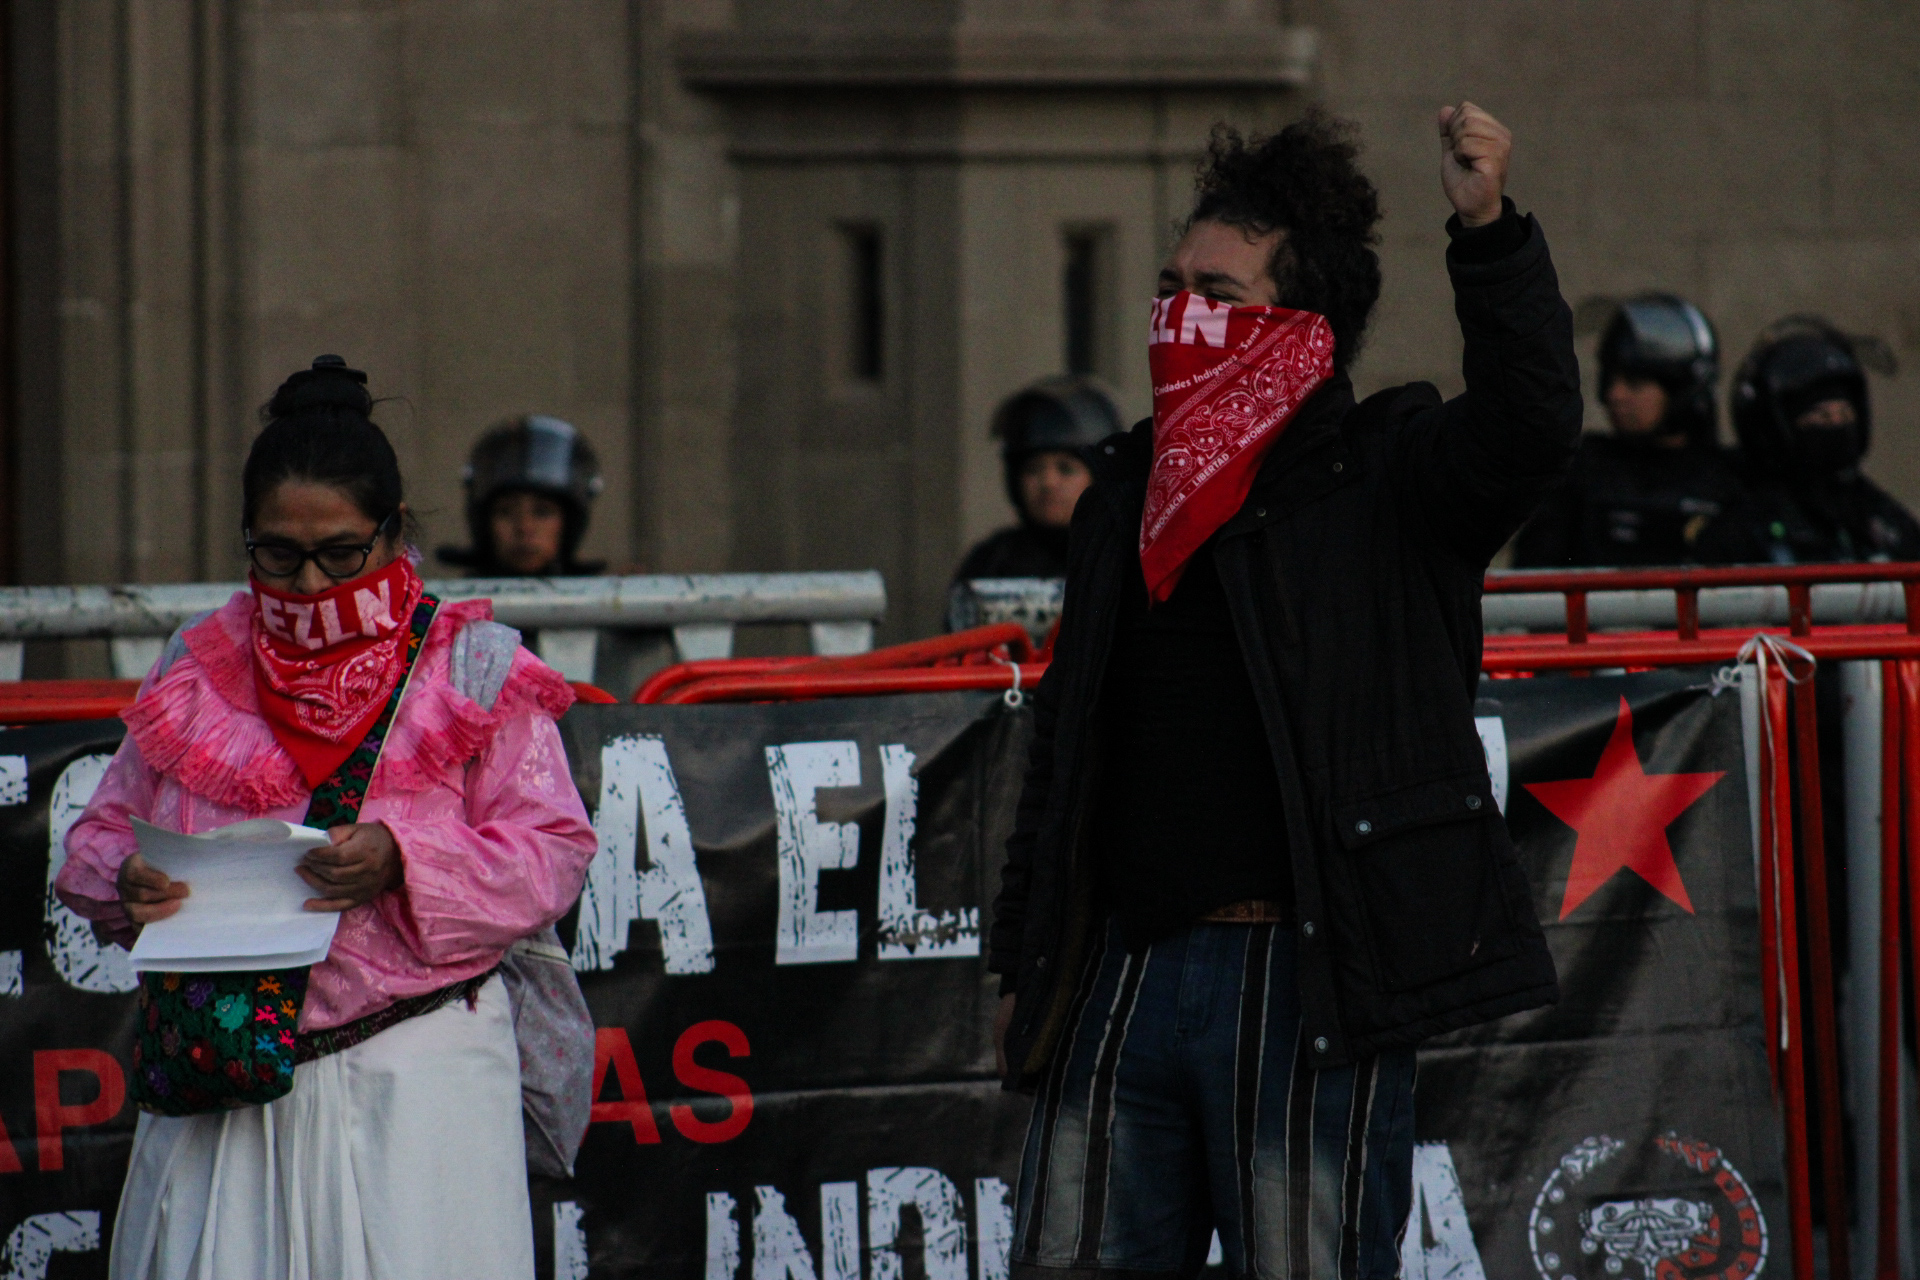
{"points": [[1474, 148]]}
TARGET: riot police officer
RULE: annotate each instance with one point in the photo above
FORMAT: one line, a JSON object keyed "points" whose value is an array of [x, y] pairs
{"points": [[1645, 494], [530, 482], [1044, 432], [1802, 414]]}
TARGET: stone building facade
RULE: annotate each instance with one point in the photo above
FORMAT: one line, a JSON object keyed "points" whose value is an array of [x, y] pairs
{"points": [[779, 259]]}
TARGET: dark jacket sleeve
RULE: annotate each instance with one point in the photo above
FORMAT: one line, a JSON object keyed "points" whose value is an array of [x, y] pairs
{"points": [[1476, 466], [1553, 538], [1010, 907]]}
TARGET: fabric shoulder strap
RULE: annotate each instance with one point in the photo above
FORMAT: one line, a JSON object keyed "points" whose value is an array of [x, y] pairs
{"points": [[338, 799]]}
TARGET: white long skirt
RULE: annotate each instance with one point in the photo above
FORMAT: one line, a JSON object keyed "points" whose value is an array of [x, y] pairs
{"points": [[402, 1158]]}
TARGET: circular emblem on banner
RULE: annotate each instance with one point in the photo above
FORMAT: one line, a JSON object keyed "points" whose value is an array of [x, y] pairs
{"points": [[1694, 1219]]}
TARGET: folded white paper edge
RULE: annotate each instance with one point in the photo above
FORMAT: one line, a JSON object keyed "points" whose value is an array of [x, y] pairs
{"points": [[152, 954]]}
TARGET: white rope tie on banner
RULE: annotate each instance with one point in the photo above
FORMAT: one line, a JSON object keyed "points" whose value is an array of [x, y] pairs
{"points": [[1758, 648], [1766, 650]]}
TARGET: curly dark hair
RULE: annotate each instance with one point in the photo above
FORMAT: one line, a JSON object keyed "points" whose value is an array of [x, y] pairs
{"points": [[1304, 181]]}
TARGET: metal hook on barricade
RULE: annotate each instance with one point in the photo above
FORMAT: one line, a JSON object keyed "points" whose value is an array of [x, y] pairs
{"points": [[1013, 697]]}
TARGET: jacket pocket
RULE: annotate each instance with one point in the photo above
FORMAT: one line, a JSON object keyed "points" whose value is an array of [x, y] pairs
{"points": [[1424, 861]]}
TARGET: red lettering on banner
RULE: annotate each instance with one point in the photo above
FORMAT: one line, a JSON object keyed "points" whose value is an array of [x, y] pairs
{"points": [[707, 1080], [610, 1045], [50, 1117], [9, 1158]]}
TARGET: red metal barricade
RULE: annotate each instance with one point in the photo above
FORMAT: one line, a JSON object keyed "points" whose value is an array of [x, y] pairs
{"points": [[1789, 894], [45, 701], [1000, 656], [1802, 1019]]}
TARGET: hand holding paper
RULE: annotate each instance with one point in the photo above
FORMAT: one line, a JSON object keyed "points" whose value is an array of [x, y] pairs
{"points": [[146, 892], [247, 906], [362, 862]]}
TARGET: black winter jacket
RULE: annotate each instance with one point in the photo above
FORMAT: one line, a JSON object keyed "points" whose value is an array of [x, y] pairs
{"points": [[1353, 572]]}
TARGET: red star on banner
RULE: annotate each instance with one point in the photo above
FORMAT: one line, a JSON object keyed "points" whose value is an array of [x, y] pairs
{"points": [[1622, 813]]}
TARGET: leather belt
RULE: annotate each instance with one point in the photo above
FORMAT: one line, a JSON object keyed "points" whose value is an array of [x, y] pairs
{"points": [[1251, 911]]}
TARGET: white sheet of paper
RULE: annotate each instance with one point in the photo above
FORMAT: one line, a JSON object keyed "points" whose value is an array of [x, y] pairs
{"points": [[246, 910]]}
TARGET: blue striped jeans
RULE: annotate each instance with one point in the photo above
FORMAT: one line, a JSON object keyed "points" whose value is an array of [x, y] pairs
{"points": [[1180, 1102]]}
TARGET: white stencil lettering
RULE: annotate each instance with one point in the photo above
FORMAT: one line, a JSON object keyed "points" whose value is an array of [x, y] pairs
{"points": [[32, 1244], [839, 1231], [779, 1250], [941, 1218], [1493, 740], [907, 932], [1438, 1244], [723, 1237], [808, 846], [569, 1242], [81, 960], [992, 1229], [638, 792]]}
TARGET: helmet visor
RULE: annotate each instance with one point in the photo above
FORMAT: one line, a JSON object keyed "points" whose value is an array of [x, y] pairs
{"points": [[549, 452]]}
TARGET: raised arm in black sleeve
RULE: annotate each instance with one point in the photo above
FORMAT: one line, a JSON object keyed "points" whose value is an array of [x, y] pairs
{"points": [[1477, 465]]}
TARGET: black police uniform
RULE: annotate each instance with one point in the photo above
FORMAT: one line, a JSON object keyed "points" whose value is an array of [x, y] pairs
{"points": [[1629, 503], [1805, 499], [1638, 501], [1061, 414], [1828, 519]]}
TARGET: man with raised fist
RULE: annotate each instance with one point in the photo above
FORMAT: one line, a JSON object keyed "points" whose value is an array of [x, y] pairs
{"points": [[1257, 858]]}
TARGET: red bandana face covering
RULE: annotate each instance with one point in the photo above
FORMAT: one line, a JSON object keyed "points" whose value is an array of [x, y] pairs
{"points": [[1226, 381], [324, 665]]}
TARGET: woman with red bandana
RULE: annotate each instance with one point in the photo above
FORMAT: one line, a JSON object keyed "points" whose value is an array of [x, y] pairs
{"points": [[336, 689]]}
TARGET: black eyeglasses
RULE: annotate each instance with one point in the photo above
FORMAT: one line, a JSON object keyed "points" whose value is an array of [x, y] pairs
{"points": [[339, 562]]}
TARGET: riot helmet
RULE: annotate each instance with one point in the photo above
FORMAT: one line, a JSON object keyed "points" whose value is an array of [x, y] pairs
{"points": [[1796, 365], [1668, 341], [1069, 414], [538, 454]]}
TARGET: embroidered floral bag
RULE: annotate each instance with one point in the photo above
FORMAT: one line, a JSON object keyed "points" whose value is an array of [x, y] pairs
{"points": [[217, 1041]]}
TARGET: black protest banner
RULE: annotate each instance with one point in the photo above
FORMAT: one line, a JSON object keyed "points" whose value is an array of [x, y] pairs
{"points": [[795, 1061], [66, 1018], [1630, 1129], [782, 938]]}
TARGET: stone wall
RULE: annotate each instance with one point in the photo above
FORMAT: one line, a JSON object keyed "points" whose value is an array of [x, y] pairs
{"points": [[440, 192], [636, 214], [1760, 157]]}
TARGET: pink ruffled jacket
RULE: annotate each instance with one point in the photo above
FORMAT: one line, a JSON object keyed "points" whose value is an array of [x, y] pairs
{"points": [[493, 837]]}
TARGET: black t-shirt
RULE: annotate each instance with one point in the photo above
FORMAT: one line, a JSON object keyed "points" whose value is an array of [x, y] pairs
{"points": [[1189, 815]]}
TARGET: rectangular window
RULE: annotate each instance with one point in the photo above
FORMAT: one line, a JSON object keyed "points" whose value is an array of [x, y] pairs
{"points": [[1083, 296], [866, 303]]}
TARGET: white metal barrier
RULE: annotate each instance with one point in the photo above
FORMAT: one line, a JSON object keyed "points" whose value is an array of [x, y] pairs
{"points": [[586, 627], [1035, 603]]}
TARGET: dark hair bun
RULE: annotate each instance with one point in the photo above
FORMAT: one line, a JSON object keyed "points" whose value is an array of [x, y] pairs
{"points": [[329, 383], [318, 428]]}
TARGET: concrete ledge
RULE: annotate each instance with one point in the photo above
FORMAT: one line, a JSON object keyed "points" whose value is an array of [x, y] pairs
{"points": [[1238, 56]]}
